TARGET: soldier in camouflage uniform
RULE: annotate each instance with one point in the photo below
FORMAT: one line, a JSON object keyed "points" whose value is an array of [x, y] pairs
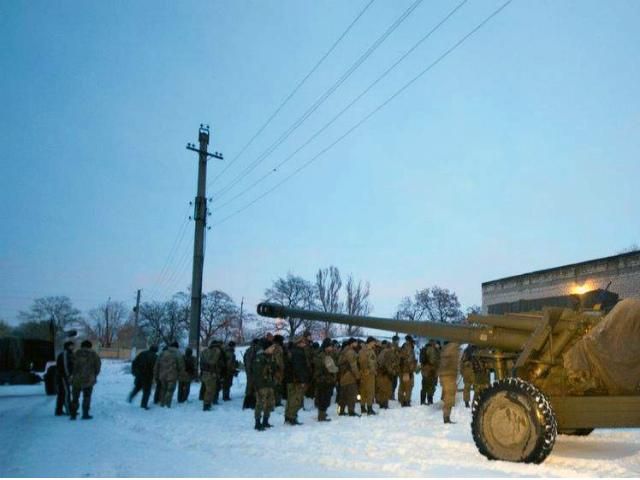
{"points": [[278, 358], [211, 365], [142, 368], [86, 368], [349, 378], [429, 363], [481, 376], [189, 374], [407, 368], [299, 376], [263, 369], [168, 368], [395, 346], [231, 370], [248, 359], [324, 371], [448, 373], [367, 364], [466, 369], [388, 368]]}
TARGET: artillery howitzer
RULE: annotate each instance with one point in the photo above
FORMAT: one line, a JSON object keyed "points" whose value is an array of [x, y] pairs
{"points": [[557, 371]]}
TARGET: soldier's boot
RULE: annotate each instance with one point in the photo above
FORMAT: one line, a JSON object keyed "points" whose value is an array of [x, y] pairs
{"points": [[342, 411], [363, 409], [85, 414], [429, 399], [206, 407], [322, 416], [265, 421], [447, 419], [423, 396], [466, 404], [370, 410], [259, 425]]}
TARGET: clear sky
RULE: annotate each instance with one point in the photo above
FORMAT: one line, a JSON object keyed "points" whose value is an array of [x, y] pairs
{"points": [[518, 151]]}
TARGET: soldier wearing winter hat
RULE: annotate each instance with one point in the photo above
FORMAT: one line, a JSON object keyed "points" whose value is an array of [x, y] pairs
{"points": [[367, 363], [407, 368], [324, 372]]}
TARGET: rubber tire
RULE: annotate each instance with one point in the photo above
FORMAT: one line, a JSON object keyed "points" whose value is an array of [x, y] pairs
{"points": [[577, 432], [505, 400]]}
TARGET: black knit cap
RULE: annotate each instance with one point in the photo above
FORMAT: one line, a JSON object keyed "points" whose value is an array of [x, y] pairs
{"points": [[326, 343], [371, 339]]}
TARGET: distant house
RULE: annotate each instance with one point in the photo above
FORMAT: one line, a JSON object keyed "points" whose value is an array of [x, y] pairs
{"points": [[618, 274]]}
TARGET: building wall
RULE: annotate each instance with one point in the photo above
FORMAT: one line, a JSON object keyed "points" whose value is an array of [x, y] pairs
{"points": [[623, 271]]}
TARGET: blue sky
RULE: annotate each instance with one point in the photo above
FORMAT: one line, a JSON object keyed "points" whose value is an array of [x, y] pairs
{"points": [[519, 151]]}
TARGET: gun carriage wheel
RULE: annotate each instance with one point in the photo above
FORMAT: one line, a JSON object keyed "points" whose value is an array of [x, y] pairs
{"points": [[512, 420]]}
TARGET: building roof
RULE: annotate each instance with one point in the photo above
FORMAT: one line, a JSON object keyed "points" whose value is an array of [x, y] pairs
{"points": [[620, 256]]}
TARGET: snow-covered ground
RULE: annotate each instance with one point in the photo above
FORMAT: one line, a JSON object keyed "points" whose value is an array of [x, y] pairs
{"points": [[124, 440]]}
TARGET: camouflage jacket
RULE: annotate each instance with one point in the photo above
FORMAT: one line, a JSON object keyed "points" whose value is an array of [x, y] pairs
{"points": [[367, 362], [388, 362], [348, 365], [407, 359], [429, 360], [170, 365], [86, 368], [263, 369], [231, 366], [189, 369], [322, 364], [449, 359], [278, 358], [211, 360]]}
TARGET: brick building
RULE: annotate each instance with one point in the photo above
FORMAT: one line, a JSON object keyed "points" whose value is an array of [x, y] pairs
{"points": [[619, 274]]}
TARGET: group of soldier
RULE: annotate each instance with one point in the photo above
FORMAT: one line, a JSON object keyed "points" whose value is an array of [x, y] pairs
{"points": [[171, 369], [367, 372], [76, 374]]}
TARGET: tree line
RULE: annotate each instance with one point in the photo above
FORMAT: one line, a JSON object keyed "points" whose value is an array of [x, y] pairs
{"points": [[112, 323]]}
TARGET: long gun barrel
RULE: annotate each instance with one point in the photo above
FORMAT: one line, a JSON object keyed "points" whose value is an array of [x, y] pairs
{"points": [[482, 336]]}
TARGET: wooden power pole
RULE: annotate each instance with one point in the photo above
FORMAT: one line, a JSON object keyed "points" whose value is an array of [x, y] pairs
{"points": [[200, 217]]}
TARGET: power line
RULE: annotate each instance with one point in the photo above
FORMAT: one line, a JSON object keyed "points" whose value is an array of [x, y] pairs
{"points": [[372, 113], [293, 92], [353, 102], [169, 259], [320, 100]]}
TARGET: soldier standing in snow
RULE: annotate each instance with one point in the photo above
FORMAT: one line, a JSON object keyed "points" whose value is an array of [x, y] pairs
{"points": [[167, 370], [367, 364], [407, 368], [466, 369], [142, 368], [230, 371], [349, 378], [211, 361], [86, 368], [263, 369], [448, 373], [429, 362], [64, 370], [388, 368], [248, 358], [324, 375], [299, 376], [278, 358], [395, 346], [184, 381]]}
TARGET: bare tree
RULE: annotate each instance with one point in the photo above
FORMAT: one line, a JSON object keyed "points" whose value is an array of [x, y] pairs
{"points": [[294, 292], [220, 317], [44, 309], [357, 303], [328, 285], [105, 322], [435, 304], [162, 321]]}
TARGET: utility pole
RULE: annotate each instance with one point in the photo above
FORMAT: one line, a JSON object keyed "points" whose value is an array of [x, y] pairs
{"points": [[200, 217], [134, 340]]}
